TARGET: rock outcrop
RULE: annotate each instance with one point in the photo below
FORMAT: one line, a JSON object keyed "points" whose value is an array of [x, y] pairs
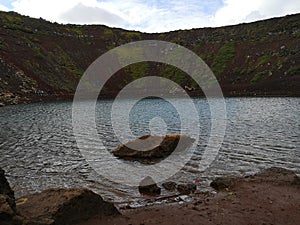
{"points": [[63, 206], [4, 186], [153, 147], [8, 214]]}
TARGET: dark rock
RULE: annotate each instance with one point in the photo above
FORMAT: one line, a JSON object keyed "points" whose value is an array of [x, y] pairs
{"points": [[63, 206], [276, 170], [186, 189], [4, 186], [169, 186], [6, 210], [222, 183], [149, 187], [8, 214], [277, 175], [153, 147], [296, 180]]}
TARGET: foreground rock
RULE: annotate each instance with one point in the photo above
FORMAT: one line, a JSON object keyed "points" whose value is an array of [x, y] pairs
{"points": [[8, 214], [149, 187], [153, 147], [4, 186], [61, 206]]}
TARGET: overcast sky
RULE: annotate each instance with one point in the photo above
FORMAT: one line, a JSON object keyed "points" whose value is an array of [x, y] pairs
{"points": [[153, 15]]}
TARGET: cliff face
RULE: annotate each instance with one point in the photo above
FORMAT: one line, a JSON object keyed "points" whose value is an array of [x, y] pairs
{"points": [[40, 60]]}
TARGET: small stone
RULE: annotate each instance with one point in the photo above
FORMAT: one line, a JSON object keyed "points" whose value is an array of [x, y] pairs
{"points": [[185, 198], [149, 187], [296, 180], [186, 188], [221, 183], [169, 186]]}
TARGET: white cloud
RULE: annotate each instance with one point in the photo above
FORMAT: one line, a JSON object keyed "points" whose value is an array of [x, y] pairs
{"points": [[3, 8], [86, 15], [237, 11], [155, 15]]}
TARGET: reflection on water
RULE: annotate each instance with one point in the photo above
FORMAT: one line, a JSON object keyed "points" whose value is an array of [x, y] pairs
{"points": [[38, 149]]}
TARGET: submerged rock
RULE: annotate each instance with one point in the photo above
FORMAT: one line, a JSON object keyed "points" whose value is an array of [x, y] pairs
{"points": [[149, 187], [153, 147], [63, 206]]}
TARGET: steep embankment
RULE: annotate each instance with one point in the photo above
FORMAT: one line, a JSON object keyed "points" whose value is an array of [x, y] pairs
{"points": [[40, 60]]}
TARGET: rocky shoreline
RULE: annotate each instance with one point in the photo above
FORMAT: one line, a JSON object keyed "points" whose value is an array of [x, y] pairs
{"points": [[7, 99], [269, 197]]}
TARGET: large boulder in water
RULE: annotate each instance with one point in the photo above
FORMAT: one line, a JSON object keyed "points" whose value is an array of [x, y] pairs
{"points": [[63, 206], [153, 147]]}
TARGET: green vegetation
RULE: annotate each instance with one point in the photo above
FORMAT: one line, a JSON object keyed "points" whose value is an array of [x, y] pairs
{"points": [[137, 70], [207, 58], [13, 18], [174, 74], [129, 54], [76, 30], [262, 60], [294, 70], [132, 35], [297, 34], [108, 34], [65, 61], [39, 55], [279, 65], [259, 75], [77, 72], [224, 56]]}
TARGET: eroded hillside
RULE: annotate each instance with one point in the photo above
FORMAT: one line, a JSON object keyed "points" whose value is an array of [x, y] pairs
{"points": [[40, 60]]}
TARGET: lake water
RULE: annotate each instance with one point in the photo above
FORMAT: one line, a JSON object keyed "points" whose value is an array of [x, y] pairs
{"points": [[39, 151]]}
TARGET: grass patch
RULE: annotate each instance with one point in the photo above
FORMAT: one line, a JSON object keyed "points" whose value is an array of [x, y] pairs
{"points": [[132, 35], [262, 60], [37, 53], [224, 56], [294, 70], [259, 75], [108, 34], [137, 70]]}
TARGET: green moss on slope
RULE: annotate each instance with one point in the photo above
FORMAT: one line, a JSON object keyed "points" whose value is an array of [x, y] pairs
{"points": [[224, 56]]}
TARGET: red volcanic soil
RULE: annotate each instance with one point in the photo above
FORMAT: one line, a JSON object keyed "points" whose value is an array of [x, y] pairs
{"points": [[271, 197], [36, 56]]}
